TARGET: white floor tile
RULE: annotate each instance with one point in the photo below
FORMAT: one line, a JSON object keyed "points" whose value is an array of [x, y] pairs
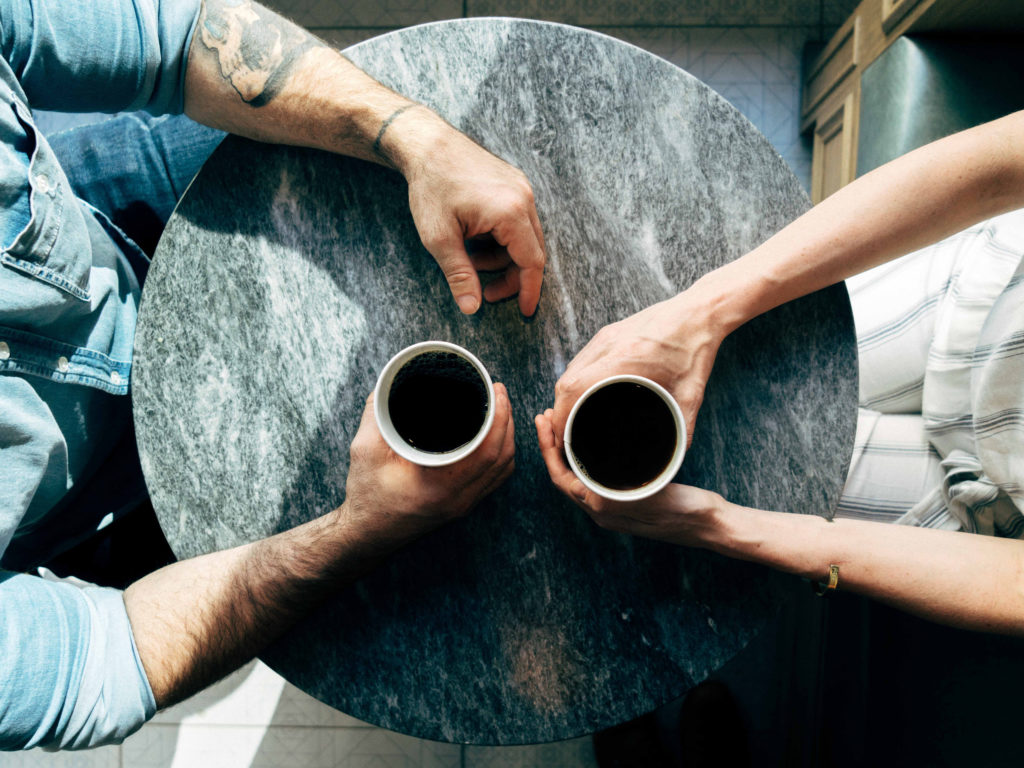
{"points": [[575, 753], [255, 695], [104, 757], [227, 746], [379, 748]]}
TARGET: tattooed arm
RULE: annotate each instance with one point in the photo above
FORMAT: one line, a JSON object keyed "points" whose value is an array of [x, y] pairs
{"points": [[254, 73]]}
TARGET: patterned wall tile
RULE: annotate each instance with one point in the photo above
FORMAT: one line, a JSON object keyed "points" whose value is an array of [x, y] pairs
{"points": [[655, 12], [366, 13], [575, 753]]}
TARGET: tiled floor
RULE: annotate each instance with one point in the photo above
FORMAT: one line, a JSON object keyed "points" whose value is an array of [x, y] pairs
{"points": [[747, 50], [254, 719]]}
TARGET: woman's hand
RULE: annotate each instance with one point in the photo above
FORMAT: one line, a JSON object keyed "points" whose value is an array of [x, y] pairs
{"points": [[678, 514], [673, 343]]}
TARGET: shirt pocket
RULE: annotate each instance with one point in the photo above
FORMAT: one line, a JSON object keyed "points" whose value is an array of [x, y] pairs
{"points": [[54, 246]]}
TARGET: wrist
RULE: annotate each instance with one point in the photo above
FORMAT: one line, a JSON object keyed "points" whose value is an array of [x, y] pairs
{"points": [[722, 303], [696, 515], [410, 137]]}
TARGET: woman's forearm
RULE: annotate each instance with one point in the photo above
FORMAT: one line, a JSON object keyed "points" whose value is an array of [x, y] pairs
{"points": [[911, 202], [970, 581]]}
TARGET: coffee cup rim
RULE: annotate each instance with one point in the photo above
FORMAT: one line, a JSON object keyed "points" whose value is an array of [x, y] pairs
{"points": [[664, 477], [383, 389]]}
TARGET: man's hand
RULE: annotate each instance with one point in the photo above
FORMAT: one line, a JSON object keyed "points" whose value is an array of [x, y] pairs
{"points": [[255, 73], [673, 343], [678, 514], [196, 620], [393, 500], [461, 192]]}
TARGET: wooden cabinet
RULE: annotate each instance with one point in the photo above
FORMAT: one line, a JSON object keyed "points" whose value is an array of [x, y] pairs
{"points": [[835, 149], [831, 88]]}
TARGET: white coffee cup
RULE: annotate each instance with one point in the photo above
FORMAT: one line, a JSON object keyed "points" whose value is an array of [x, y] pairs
{"points": [[382, 413], [663, 478]]}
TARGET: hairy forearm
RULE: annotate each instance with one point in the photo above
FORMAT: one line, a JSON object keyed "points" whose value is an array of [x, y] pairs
{"points": [[199, 619], [965, 580], [907, 204], [256, 74]]}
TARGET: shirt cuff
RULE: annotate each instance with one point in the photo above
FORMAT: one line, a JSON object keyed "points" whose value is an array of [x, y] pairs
{"points": [[70, 675]]}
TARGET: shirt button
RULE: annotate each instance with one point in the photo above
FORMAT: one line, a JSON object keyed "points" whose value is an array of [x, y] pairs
{"points": [[42, 183], [115, 378], [5, 351], [62, 364]]}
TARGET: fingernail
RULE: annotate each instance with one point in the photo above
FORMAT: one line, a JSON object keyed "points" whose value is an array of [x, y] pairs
{"points": [[468, 303]]}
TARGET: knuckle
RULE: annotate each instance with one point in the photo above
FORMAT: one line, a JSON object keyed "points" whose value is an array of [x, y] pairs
{"points": [[432, 240], [359, 446], [518, 206], [436, 239]]}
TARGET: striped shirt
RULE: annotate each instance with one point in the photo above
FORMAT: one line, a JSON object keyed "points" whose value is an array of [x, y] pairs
{"points": [[941, 334]]}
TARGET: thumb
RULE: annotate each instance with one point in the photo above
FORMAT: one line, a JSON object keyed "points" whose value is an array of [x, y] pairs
{"points": [[450, 254]]}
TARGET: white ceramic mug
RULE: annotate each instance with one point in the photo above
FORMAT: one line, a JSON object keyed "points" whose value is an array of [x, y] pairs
{"points": [[382, 392], [664, 477]]}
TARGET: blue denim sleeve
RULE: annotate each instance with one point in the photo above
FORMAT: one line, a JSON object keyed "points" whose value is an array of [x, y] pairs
{"points": [[99, 55], [70, 676]]}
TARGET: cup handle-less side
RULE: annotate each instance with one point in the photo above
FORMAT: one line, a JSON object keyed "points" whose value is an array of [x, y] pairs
{"points": [[663, 479], [387, 429]]}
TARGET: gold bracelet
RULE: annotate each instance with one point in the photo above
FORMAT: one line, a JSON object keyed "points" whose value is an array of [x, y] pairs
{"points": [[821, 589]]}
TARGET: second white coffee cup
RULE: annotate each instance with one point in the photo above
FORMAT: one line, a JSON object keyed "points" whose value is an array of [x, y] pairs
{"points": [[625, 438]]}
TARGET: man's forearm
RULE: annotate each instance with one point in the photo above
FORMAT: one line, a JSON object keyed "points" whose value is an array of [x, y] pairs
{"points": [[905, 205], [971, 581], [254, 73], [197, 620]]}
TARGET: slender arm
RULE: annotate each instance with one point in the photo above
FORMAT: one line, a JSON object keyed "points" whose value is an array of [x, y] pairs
{"points": [[911, 202], [974, 582]]}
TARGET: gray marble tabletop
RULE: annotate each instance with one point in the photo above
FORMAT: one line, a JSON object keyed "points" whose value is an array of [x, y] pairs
{"points": [[287, 278]]}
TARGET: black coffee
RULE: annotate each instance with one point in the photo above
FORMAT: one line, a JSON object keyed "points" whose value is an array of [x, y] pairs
{"points": [[623, 436], [438, 402]]}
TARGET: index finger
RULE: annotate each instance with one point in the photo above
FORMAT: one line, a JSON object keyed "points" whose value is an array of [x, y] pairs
{"points": [[527, 251]]}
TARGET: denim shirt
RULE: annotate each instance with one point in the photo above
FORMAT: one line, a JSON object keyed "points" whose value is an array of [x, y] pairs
{"points": [[70, 675]]}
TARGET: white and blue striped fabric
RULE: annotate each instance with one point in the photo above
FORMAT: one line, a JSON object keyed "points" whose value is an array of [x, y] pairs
{"points": [[940, 435]]}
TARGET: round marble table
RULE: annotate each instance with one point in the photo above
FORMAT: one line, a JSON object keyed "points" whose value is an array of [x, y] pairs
{"points": [[286, 278]]}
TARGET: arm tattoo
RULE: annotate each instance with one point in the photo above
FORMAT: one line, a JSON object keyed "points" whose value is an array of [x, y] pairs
{"points": [[256, 48]]}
